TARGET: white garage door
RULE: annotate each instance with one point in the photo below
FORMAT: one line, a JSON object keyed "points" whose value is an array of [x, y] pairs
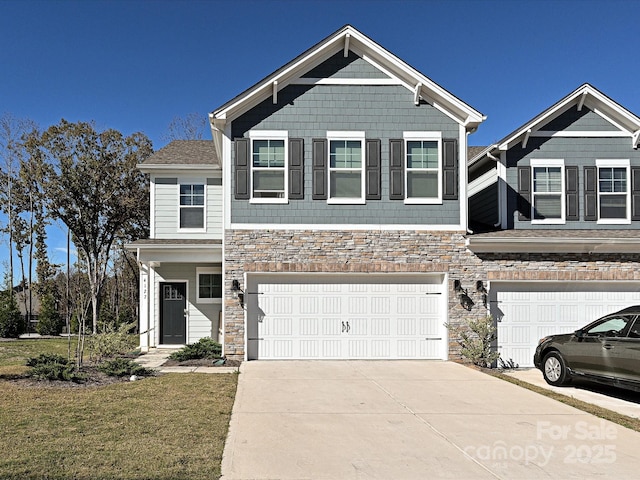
{"points": [[527, 311], [346, 317]]}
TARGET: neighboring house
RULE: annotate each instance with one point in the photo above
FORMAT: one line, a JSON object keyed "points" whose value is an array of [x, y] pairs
{"points": [[345, 208], [181, 262], [558, 201]]}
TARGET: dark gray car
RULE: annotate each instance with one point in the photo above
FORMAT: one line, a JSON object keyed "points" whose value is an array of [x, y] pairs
{"points": [[605, 351]]}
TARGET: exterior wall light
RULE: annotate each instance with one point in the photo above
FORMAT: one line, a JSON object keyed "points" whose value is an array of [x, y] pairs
{"points": [[237, 292]]}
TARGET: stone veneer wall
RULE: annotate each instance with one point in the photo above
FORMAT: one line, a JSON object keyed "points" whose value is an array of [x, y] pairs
{"points": [[336, 251]]}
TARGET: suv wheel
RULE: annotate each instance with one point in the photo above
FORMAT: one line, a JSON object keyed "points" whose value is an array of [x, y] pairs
{"points": [[554, 369]]}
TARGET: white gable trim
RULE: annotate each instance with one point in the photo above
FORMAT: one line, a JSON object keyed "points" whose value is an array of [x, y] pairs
{"points": [[587, 95]]}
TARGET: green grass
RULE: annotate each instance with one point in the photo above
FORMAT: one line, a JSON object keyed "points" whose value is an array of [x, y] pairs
{"points": [[169, 427], [14, 353]]}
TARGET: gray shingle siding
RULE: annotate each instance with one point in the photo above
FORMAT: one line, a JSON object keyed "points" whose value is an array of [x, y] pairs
{"points": [[340, 67], [584, 120], [382, 112], [575, 151]]}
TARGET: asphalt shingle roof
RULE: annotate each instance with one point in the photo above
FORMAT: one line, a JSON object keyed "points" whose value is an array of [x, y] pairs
{"points": [[185, 152]]}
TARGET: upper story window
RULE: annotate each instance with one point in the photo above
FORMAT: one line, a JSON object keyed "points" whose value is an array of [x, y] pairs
{"points": [[548, 198], [614, 196], [268, 166], [346, 167], [192, 205], [209, 285], [423, 178]]}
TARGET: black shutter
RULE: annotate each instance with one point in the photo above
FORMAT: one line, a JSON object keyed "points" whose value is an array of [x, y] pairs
{"points": [[241, 165], [373, 171], [572, 205], [635, 193], [524, 193], [396, 169], [296, 168], [320, 168], [590, 193], [450, 169]]}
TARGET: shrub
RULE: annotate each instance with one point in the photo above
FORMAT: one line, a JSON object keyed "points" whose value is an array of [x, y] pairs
{"points": [[50, 322], [475, 338], [112, 342], [11, 322], [48, 366], [203, 348], [121, 367]]}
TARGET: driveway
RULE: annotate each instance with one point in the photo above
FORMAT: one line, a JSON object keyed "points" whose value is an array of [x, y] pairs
{"points": [[411, 420]]}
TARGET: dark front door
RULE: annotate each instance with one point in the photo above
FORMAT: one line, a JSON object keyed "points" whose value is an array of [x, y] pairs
{"points": [[173, 324]]}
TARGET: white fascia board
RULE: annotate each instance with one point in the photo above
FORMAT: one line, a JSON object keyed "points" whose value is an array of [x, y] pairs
{"points": [[367, 49], [180, 256], [483, 182], [341, 227], [178, 168], [553, 245]]}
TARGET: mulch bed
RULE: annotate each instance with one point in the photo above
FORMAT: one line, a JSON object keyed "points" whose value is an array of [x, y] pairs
{"points": [[95, 378], [201, 362]]}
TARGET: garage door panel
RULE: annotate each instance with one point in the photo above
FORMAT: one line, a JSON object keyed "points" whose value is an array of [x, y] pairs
{"points": [[347, 316], [528, 311]]}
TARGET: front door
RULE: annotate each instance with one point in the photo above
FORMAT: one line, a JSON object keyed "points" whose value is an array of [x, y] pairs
{"points": [[173, 324]]}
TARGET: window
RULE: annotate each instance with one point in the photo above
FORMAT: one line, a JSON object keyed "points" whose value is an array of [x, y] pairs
{"points": [[346, 167], [548, 191], [192, 205], [209, 285], [614, 200], [423, 162], [268, 166]]}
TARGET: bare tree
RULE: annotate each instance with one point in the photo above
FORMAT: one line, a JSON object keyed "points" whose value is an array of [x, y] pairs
{"points": [[190, 127]]}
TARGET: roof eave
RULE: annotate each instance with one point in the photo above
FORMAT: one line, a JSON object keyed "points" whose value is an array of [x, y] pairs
{"points": [[176, 166], [553, 245]]}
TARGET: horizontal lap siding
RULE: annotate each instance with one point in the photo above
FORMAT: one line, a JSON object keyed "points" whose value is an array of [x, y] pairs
{"points": [[166, 212]]}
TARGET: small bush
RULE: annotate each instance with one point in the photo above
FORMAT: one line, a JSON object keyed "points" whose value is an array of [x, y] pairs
{"points": [[11, 322], [122, 367], [475, 338], [48, 366], [50, 322], [112, 342], [203, 348]]}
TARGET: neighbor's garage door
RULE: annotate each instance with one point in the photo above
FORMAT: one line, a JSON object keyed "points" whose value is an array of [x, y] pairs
{"points": [[528, 311], [346, 317]]}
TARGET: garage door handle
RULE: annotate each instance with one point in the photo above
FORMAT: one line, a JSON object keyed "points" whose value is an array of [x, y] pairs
{"points": [[343, 327], [348, 327]]}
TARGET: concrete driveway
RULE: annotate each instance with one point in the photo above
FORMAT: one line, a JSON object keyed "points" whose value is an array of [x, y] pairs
{"points": [[411, 420]]}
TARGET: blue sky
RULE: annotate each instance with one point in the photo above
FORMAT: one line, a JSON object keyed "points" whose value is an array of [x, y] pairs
{"points": [[135, 65]]}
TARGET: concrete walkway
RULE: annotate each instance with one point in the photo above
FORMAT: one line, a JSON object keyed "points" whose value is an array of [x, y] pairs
{"points": [[156, 357], [617, 400], [411, 420]]}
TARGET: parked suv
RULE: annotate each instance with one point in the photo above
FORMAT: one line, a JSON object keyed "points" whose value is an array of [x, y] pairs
{"points": [[605, 351]]}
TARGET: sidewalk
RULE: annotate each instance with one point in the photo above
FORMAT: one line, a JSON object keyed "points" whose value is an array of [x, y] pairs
{"points": [[156, 357]]}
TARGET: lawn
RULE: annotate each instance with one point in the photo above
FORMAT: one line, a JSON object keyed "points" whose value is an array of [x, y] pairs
{"points": [[172, 426], [14, 353]]}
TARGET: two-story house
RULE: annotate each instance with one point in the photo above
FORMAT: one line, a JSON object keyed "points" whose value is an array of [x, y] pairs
{"points": [[345, 214], [181, 262], [558, 200]]}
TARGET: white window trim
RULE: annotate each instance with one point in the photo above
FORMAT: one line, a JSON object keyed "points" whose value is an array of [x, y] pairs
{"points": [[206, 270], [540, 162], [269, 135], [346, 135], [193, 181], [614, 163], [427, 137]]}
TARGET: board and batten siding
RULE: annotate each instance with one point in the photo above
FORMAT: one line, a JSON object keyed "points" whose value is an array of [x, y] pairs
{"points": [[203, 317], [166, 208]]}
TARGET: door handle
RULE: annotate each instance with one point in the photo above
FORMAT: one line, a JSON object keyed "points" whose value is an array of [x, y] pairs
{"points": [[343, 327], [348, 327]]}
